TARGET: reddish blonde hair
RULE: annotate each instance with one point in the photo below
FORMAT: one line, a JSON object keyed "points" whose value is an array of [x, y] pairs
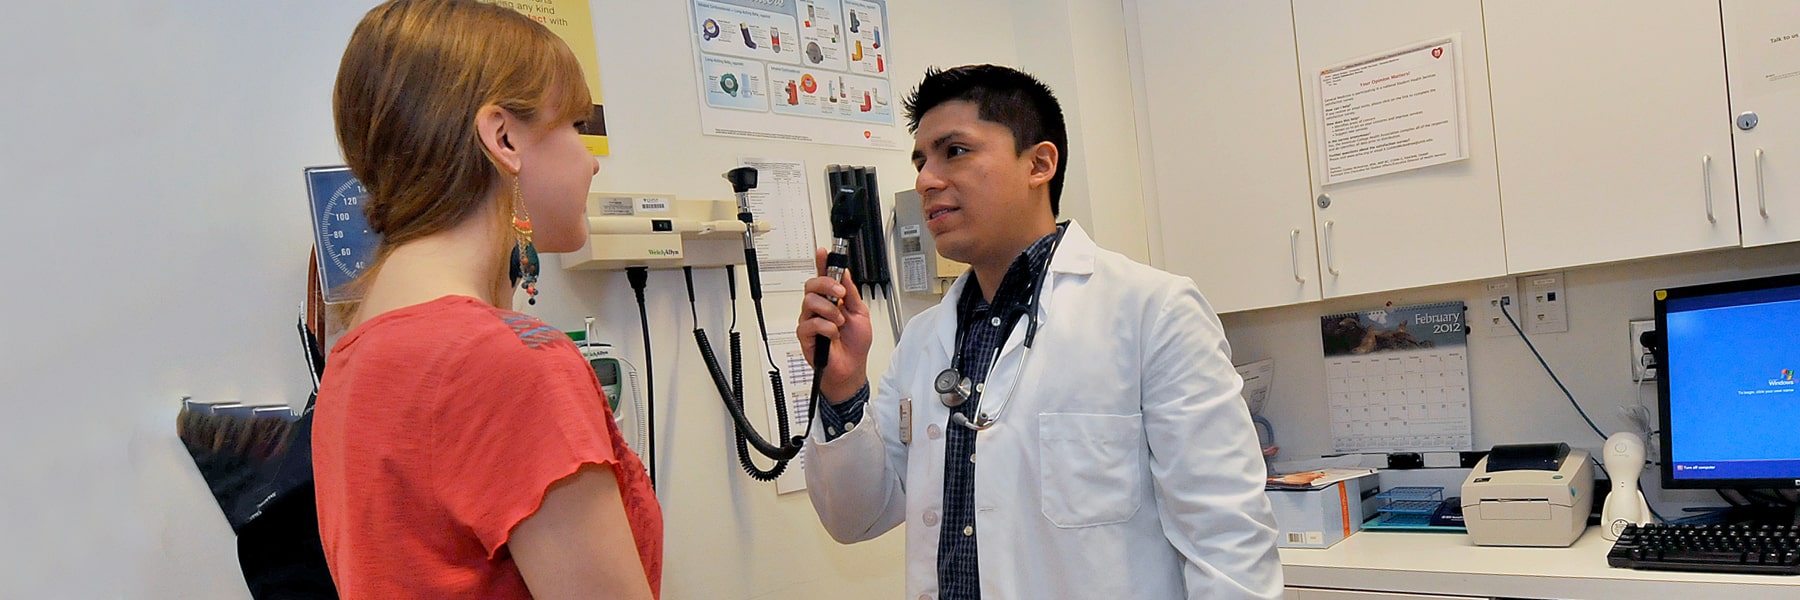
{"points": [[412, 80]]}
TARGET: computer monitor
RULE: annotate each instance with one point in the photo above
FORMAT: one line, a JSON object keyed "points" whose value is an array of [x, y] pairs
{"points": [[1730, 402]]}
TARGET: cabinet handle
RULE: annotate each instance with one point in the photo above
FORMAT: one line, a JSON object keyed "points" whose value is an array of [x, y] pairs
{"points": [[1706, 179], [1294, 253], [1762, 204], [1330, 261]]}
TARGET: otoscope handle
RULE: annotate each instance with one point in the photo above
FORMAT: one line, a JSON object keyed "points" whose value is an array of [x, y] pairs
{"points": [[754, 273], [821, 351], [835, 262]]}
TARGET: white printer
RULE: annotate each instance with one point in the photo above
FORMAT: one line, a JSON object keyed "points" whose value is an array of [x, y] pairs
{"points": [[1528, 495]]}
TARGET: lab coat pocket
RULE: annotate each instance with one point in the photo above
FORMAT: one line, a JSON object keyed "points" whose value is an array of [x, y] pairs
{"points": [[1091, 467]]}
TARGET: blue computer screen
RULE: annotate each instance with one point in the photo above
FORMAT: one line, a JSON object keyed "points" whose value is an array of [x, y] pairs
{"points": [[1733, 399]]}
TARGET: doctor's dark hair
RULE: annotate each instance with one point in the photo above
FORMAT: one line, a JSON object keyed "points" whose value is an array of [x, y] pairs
{"points": [[1001, 95], [412, 79]]}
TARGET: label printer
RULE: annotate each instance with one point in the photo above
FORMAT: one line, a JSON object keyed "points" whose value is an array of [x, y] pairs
{"points": [[1529, 495]]}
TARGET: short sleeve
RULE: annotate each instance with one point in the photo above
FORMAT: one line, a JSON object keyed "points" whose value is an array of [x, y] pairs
{"points": [[522, 411]]}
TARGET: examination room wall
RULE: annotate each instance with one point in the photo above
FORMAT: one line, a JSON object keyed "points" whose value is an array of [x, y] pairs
{"points": [[158, 244]]}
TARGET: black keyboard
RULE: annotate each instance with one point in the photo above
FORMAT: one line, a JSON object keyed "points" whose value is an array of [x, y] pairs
{"points": [[1766, 549]]}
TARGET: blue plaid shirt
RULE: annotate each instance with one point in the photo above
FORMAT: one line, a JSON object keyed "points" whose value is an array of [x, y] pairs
{"points": [[981, 328]]}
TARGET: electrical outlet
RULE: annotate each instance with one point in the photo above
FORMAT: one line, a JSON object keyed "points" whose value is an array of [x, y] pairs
{"points": [[1642, 362], [1501, 294], [1546, 304]]}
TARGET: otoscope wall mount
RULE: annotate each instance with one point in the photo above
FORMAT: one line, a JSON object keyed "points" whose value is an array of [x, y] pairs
{"points": [[660, 232]]}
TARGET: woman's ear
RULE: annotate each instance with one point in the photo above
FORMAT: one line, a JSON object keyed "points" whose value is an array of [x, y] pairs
{"points": [[1044, 159], [495, 126]]}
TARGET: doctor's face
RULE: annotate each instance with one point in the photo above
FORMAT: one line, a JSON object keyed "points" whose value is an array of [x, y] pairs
{"points": [[976, 187]]}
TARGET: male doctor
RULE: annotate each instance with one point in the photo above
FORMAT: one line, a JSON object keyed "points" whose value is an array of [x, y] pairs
{"points": [[1107, 455]]}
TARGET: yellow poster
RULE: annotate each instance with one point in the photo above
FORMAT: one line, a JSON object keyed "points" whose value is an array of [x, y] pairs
{"points": [[571, 20]]}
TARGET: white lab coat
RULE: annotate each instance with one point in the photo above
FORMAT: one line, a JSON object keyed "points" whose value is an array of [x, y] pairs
{"points": [[1126, 467]]}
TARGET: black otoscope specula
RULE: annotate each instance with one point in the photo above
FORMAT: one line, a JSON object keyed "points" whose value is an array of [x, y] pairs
{"points": [[743, 179]]}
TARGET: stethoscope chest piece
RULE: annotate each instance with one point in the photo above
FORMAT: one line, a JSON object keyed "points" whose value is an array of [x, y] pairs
{"points": [[953, 387]]}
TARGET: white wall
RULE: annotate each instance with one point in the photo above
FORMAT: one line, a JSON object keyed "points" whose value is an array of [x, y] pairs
{"points": [[1077, 47], [158, 244], [157, 249]]}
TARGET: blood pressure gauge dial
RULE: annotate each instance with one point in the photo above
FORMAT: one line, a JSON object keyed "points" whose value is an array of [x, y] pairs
{"points": [[345, 245]]}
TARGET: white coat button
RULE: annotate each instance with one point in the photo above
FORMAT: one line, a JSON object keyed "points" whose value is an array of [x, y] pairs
{"points": [[995, 321], [968, 530], [934, 432], [831, 431], [931, 518], [971, 457]]}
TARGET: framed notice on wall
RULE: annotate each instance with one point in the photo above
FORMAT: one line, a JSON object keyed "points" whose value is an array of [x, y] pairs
{"points": [[1391, 112]]}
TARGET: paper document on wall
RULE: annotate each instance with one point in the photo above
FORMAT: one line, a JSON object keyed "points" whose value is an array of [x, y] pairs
{"points": [[796, 381], [1767, 48], [1397, 379], [1258, 377], [784, 254], [1396, 111]]}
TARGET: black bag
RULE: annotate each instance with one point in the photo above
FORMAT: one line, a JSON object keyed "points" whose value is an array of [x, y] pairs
{"points": [[258, 465]]}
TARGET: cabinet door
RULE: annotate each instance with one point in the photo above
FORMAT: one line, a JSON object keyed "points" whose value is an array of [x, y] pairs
{"points": [[1219, 118], [1762, 58], [1609, 129], [1324, 594], [1424, 226]]}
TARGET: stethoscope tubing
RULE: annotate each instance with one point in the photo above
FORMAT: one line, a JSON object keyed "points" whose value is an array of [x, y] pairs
{"points": [[954, 389]]}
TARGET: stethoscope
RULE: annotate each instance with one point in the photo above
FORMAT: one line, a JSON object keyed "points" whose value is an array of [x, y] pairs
{"points": [[955, 389]]}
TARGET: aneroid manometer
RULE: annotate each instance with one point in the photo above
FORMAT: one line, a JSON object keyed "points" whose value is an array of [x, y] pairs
{"points": [[345, 245]]}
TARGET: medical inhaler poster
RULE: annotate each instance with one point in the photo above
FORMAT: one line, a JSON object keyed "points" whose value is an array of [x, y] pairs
{"points": [[796, 70], [572, 21], [1397, 379]]}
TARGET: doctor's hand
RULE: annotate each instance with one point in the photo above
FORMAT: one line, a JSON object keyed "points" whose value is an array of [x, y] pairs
{"points": [[845, 324]]}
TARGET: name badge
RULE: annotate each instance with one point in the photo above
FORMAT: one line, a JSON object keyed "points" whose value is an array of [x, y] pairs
{"points": [[906, 420]]}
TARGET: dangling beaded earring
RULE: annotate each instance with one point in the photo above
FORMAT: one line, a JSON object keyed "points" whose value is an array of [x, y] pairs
{"points": [[525, 266]]}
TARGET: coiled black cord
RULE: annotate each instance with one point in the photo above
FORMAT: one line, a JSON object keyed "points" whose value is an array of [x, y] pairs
{"points": [[731, 392]]}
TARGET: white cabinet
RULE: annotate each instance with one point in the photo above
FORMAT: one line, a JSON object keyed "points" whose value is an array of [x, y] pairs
{"points": [[1762, 54], [1611, 130], [1596, 132], [1225, 155], [1432, 225]]}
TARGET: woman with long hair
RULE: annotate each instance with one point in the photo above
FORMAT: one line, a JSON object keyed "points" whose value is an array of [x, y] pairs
{"points": [[462, 449]]}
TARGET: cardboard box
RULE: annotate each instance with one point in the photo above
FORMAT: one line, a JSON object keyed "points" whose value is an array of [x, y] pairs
{"points": [[1322, 517]]}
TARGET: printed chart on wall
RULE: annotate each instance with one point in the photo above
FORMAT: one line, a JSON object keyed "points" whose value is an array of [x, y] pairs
{"points": [[1398, 379], [784, 255], [571, 21], [1392, 112], [796, 382], [796, 70]]}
